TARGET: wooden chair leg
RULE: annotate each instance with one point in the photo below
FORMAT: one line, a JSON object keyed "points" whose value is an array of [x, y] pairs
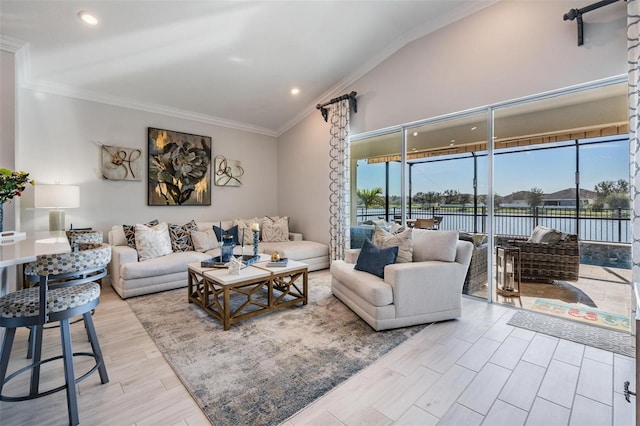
{"points": [[69, 375], [35, 361], [5, 353], [95, 346]]}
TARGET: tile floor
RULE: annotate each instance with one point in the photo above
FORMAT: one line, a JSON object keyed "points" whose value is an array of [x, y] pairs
{"points": [[475, 370], [479, 370]]}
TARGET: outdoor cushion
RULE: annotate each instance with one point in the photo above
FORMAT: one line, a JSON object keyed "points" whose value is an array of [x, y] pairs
{"points": [[542, 234]]}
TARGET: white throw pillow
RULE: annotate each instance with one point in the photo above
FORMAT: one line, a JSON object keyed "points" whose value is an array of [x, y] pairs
{"points": [[403, 241], [275, 231], [152, 241], [244, 228], [204, 240], [434, 245]]}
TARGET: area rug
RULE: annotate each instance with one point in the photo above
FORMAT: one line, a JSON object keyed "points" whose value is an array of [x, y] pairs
{"points": [[583, 314], [609, 340], [265, 369]]}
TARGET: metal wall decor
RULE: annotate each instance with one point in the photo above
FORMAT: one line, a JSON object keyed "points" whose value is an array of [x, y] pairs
{"points": [[179, 169], [119, 163], [227, 172]]}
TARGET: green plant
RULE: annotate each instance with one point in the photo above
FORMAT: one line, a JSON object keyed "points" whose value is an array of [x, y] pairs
{"points": [[12, 183]]}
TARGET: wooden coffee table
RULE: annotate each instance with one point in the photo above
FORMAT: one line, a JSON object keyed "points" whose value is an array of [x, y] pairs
{"points": [[257, 290]]}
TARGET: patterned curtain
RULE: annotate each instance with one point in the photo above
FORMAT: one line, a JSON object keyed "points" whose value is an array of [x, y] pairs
{"points": [[339, 180], [633, 56]]}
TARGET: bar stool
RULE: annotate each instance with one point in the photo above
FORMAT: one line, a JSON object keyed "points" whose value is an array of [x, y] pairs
{"points": [[74, 293], [75, 237]]}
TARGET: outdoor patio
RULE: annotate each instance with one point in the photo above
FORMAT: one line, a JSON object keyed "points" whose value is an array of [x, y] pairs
{"points": [[599, 290]]}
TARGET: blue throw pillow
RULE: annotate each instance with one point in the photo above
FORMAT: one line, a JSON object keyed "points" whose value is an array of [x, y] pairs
{"points": [[233, 231], [373, 259]]}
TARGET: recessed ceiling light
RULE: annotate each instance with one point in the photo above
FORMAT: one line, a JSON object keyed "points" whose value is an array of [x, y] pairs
{"points": [[451, 144], [453, 140], [87, 17], [415, 133], [474, 127], [295, 91]]}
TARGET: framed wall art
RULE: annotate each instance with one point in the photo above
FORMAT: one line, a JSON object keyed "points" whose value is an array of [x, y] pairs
{"points": [[119, 163], [227, 172], [179, 169]]}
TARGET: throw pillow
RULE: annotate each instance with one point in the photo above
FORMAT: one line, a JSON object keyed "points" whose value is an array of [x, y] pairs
{"points": [[542, 234], [204, 240], [275, 231], [244, 230], [403, 241], [373, 259], [434, 245], [181, 236], [152, 241], [233, 231], [130, 232]]}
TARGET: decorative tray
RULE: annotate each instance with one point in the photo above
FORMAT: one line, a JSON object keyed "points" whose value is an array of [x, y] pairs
{"points": [[216, 262]]}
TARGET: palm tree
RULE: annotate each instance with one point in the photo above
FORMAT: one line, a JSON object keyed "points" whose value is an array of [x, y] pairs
{"points": [[369, 197]]}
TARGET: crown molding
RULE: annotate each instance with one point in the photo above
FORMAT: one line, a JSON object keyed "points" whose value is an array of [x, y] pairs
{"points": [[73, 92], [11, 45]]}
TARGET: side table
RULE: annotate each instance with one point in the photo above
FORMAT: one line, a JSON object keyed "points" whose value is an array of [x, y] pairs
{"points": [[508, 271]]}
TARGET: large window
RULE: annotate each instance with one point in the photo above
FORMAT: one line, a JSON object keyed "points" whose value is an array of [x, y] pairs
{"points": [[560, 161]]}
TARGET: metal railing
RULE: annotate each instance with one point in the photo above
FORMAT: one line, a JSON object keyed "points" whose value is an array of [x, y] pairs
{"points": [[607, 225]]}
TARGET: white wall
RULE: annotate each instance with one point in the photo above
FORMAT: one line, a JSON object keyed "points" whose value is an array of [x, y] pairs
{"points": [[509, 50], [56, 144], [7, 128]]}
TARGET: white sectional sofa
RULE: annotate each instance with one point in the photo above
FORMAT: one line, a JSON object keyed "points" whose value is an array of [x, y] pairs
{"points": [[131, 277]]}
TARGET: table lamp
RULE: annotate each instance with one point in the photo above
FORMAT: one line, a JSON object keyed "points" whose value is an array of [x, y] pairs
{"points": [[56, 198]]}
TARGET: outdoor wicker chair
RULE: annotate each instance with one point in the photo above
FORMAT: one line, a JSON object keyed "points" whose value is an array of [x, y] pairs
{"points": [[546, 261]]}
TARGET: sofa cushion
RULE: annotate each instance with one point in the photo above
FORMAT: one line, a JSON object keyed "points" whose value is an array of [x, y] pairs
{"points": [[152, 241], [434, 245], [233, 231], [275, 231], [370, 288], [204, 240], [296, 250], [160, 266], [181, 236], [403, 241], [130, 232], [542, 234], [373, 259]]}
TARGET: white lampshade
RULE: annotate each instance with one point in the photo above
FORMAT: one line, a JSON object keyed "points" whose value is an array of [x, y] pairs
{"points": [[56, 198]]}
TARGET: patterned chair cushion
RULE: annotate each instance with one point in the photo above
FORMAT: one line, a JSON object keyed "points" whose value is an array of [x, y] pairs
{"points": [[76, 237], [94, 256], [26, 303]]}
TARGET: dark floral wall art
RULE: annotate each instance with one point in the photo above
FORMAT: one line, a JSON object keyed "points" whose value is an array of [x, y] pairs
{"points": [[179, 169]]}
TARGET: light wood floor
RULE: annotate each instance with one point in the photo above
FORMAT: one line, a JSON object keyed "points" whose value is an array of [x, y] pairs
{"points": [[470, 371]]}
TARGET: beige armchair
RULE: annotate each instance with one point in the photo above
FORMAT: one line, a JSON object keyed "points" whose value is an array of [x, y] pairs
{"points": [[425, 290]]}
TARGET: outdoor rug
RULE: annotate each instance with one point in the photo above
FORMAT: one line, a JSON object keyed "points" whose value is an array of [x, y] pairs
{"points": [[583, 314], [609, 340], [265, 369]]}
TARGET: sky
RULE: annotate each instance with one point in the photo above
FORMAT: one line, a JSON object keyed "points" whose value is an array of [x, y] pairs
{"points": [[550, 170]]}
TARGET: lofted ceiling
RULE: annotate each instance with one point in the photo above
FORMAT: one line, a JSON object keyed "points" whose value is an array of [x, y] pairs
{"points": [[230, 63]]}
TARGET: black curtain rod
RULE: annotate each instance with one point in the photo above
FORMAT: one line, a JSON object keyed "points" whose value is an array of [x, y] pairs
{"points": [[577, 15], [353, 102]]}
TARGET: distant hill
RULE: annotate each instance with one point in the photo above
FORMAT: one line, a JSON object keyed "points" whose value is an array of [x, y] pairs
{"points": [[564, 194]]}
